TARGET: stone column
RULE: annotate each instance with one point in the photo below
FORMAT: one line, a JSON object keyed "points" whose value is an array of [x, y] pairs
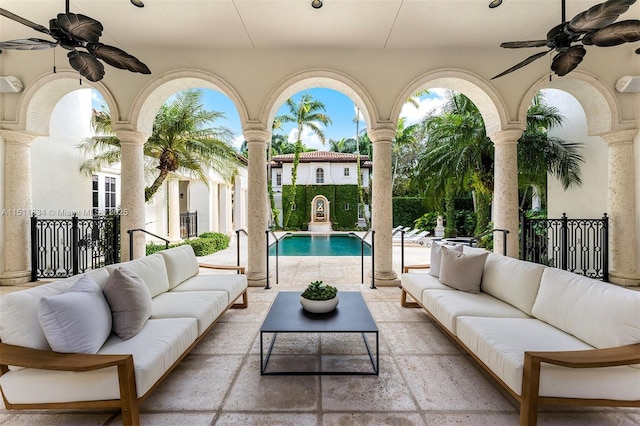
{"points": [[173, 193], [225, 209], [133, 204], [257, 136], [505, 190], [214, 225], [15, 265], [382, 204], [623, 221]]}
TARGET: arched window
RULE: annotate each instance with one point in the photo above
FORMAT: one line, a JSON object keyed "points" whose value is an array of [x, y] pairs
{"points": [[319, 175]]}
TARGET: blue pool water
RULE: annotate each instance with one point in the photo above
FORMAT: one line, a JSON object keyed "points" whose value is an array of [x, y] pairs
{"points": [[320, 245]]}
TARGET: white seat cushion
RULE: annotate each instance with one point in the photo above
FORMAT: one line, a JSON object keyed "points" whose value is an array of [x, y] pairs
{"points": [[205, 306], [601, 314], [501, 342], [446, 306], [233, 284], [157, 346], [415, 283]]}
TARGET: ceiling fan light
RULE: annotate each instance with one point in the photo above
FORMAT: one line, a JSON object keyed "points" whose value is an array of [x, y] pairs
{"points": [[137, 3], [495, 3], [316, 4]]}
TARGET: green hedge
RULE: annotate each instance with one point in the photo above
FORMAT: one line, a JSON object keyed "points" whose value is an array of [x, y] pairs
{"points": [[337, 195], [406, 210], [207, 243]]}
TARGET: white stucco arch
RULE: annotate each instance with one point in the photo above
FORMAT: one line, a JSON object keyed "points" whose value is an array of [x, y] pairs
{"points": [[156, 92], [38, 100], [316, 78], [482, 94], [598, 101]]}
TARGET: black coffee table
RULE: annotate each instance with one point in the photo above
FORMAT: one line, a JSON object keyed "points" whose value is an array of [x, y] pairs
{"points": [[287, 316]]}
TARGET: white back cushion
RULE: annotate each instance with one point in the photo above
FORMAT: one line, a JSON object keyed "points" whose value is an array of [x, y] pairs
{"points": [[19, 323], [182, 264], [151, 269], [600, 314], [511, 280]]}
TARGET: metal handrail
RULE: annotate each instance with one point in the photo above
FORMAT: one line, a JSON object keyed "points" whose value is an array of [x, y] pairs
{"points": [[267, 232], [504, 240], [131, 231], [362, 241], [401, 246], [238, 231]]}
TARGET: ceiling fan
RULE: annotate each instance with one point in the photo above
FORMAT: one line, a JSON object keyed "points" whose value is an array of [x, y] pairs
{"points": [[73, 32], [595, 26]]}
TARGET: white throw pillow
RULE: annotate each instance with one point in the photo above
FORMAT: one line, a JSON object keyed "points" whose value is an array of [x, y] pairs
{"points": [[130, 302], [462, 271], [436, 256], [78, 320]]}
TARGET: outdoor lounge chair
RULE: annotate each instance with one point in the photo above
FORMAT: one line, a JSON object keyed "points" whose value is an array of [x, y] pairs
{"points": [[417, 238]]}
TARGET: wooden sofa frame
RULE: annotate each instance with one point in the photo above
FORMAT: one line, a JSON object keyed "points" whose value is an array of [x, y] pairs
{"points": [[530, 399], [129, 403]]}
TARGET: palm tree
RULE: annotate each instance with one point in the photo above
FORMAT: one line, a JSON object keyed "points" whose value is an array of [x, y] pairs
{"points": [[545, 155], [306, 113], [180, 142], [459, 153]]}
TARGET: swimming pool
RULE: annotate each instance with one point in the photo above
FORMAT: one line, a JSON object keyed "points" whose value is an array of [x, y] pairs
{"points": [[320, 245]]}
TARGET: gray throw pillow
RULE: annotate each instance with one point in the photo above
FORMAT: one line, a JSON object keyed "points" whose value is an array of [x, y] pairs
{"points": [[436, 256], [462, 271], [130, 302], [78, 320]]}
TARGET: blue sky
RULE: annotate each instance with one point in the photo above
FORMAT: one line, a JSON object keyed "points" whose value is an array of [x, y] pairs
{"points": [[339, 108]]}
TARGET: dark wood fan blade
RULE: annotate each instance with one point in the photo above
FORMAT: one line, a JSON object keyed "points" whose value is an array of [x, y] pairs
{"points": [[519, 44], [23, 21], [523, 63], [615, 34], [87, 65], [117, 58], [80, 26], [565, 62], [599, 16], [27, 44]]}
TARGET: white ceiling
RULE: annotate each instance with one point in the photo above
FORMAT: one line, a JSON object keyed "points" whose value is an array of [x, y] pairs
{"points": [[276, 24]]}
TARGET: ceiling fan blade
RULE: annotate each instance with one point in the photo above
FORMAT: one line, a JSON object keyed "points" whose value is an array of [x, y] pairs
{"points": [[117, 58], [599, 16], [23, 21], [565, 62], [87, 65], [523, 63], [519, 44], [27, 44], [615, 34], [80, 26]]}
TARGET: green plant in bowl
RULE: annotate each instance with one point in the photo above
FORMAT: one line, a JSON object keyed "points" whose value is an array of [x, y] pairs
{"points": [[319, 291]]}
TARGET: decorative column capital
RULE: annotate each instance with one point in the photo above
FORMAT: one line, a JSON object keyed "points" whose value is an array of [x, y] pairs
{"points": [[128, 136], [506, 136], [383, 132], [619, 136], [17, 137], [255, 132]]}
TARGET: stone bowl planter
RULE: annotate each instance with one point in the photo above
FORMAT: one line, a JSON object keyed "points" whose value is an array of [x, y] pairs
{"points": [[319, 306]]}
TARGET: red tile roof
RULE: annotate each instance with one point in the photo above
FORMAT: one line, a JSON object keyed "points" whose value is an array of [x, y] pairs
{"points": [[327, 156]]}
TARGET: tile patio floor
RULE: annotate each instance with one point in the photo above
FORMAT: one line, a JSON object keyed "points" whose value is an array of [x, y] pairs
{"points": [[424, 378]]}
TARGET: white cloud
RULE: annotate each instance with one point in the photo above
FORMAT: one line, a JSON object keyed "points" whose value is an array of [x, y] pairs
{"points": [[237, 141], [309, 139], [434, 102]]}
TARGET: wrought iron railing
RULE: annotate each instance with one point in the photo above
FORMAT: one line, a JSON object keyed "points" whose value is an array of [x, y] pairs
{"points": [[577, 245], [188, 225], [364, 243], [276, 242], [238, 231], [131, 231], [61, 248]]}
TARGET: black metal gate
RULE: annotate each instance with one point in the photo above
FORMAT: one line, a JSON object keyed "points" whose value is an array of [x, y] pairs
{"points": [[64, 247], [577, 245], [188, 225]]}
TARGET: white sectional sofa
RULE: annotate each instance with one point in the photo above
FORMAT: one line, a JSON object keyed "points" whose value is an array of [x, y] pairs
{"points": [[180, 305], [547, 336]]}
